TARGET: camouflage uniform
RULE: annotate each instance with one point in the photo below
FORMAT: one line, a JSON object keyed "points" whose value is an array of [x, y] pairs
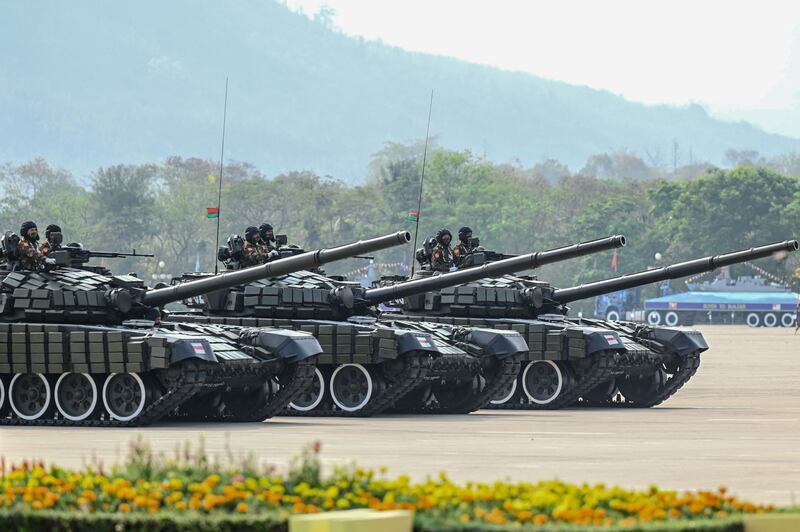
{"points": [[460, 251], [442, 255], [47, 247], [30, 258], [442, 258], [252, 255]]}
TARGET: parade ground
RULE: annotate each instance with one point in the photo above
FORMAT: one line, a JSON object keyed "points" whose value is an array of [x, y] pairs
{"points": [[735, 424]]}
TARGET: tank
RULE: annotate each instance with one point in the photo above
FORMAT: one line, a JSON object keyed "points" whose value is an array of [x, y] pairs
{"points": [[372, 365], [577, 360], [82, 346]]}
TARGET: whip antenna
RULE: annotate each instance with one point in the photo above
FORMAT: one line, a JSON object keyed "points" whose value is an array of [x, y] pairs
{"points": [[421, 182], [221, 159]]}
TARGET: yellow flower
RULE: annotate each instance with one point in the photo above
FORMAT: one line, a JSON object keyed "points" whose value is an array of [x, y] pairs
{"points": [[242, 507]]}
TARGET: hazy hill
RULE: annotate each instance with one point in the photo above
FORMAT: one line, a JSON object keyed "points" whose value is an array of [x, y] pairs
{"points": [[94, 83]]}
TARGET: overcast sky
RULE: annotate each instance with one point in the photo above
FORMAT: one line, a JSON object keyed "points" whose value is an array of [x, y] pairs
{"points": [[739, 59]]}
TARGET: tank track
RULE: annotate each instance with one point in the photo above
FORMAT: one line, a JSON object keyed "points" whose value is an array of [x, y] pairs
{"points": [[689, 366], [179, 389], [416, 369], [297, 378], [603, 368]]}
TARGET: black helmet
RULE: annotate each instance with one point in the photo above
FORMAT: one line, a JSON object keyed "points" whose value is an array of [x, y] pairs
{"points": [[440, 235], [263, 228], [250, 234], [464, 233], [27, 226], [52, 228]]}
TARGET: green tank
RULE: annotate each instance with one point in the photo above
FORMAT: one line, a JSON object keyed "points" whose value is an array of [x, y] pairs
{"points": [[574, 360], [82, 346], [371, 365]]}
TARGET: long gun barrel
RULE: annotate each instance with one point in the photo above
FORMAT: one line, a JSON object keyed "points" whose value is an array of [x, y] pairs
{"points": [[674, 271], [276, 268], [492, 269]]}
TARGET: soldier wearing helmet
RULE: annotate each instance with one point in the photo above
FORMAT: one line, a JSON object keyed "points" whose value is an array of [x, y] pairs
{"points": [[442, 256], [30, 258], [52, 235], [253, 252], [267, 236], [462, 249]]}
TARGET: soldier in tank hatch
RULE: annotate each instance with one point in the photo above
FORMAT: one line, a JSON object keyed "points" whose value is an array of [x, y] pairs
{"points": [[463, 248], [53, 236], [442, 256], [267, 236], [30, 258], [253, 252]]}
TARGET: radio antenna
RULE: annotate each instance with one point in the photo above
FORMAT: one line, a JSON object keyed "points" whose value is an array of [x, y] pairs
{"points": [[421, 183], [219, 192]]}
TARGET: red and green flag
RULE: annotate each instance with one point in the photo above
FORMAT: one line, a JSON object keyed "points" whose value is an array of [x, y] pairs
{"points": [[213, 212], [413, 216]]}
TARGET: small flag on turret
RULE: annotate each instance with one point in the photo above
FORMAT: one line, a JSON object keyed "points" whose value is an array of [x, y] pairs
{"points": [[413, 216], [213, 212], [614, 261]]}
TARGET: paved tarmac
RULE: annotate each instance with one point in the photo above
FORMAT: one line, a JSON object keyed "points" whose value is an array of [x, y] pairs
{"points": [[735, 424]]}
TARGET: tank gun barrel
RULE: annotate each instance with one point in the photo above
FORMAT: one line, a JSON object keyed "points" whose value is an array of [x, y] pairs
{"points": [[674, 271], [276, 268], [492, 269]]}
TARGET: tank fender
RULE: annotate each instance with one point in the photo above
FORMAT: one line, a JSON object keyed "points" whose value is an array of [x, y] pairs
{"points": [[497, 343], [602, 340], [293, 346], [414, 341], [678, 341], [197, 348]]}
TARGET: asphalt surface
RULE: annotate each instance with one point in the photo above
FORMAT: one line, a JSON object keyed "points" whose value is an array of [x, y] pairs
{"points": [[735, 424]]}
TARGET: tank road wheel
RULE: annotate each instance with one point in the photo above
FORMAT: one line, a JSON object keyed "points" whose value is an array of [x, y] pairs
{"points": [[770, 319], [612, 315], [76, 395], [753, 320], [602, 393], [542, 381], [351, 387], [29, 395], [787, 320], [312, 396], [124, 396], [671, 318], [638, 389], [654, 317], [505, 394]]}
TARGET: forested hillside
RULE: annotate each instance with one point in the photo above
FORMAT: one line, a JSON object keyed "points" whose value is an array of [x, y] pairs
{"points": [[88, 83], [161, 208]]}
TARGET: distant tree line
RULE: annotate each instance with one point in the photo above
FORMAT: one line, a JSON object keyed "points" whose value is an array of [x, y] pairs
{"points": [[161, 207]]}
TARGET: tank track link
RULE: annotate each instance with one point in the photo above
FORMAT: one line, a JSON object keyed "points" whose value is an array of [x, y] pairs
{"points": [[179, 389], [415, 370], [504, 374], [293, 381], [688, 367], [603, 367]]}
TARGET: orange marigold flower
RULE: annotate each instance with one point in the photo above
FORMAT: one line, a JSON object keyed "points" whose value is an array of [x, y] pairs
{"points": [[242, 507], [124, 507], [540, 519]]}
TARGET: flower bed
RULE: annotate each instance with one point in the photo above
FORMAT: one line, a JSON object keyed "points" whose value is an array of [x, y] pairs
{"points": [[189, 492]]}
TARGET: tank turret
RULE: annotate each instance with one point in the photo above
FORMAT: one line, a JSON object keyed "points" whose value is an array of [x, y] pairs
{"points": [[491, 269]]}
